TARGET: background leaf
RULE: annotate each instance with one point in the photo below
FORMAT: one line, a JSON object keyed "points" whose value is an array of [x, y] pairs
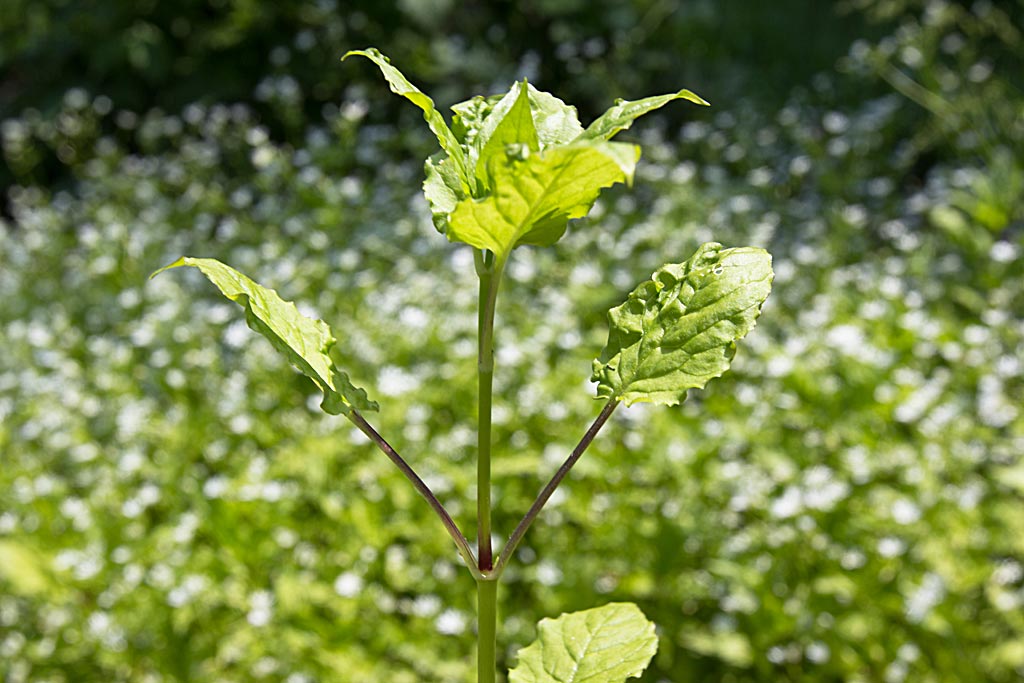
{"points": [[602, 645], [23, 568], [305, 341], [678, 330]]}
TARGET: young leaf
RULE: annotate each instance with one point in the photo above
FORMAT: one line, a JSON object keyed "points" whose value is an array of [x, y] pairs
{"points": [[468, 117], [400, 85], [443, 189], [603, 645], [510, 122], [533, 199], [679, 329], [621, 116], [556, 122], [305, 341]]}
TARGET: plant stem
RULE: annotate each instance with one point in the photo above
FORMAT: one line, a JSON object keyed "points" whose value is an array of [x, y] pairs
{"points": [[545, 494], [487, 629], [446, 519], [489, 270]]}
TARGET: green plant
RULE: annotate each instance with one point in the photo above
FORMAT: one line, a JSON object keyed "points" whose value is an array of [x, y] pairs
{"points": [[513, 171]]}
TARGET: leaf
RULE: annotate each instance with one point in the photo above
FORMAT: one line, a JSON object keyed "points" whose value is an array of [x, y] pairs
{"points": [[557, 123], [443, 189], [24, 569], [731, 647], [510, 122], [1011, 476], [603, 645], [305, 341], [534, 198], [468, 117], [679, 329], [400, 85], [621, 116]]}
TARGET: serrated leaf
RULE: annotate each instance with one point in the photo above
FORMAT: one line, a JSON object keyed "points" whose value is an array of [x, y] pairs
{"points": [[679, 329], [306, 342], [510, 122], [557, 123], [468, 117], [533, 199], [400, 85], [603, 645], [621, 115], [443, 189]]}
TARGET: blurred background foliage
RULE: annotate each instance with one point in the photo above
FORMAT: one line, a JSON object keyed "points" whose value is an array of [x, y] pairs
{"points": [[846, 505]]}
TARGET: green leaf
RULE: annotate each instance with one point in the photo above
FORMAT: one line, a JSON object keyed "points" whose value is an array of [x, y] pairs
{"points": [[306, 342], [400, 85], [534, 198], [603, 645], [24, 569], [443, 189], [621, 116], [679, 329], [731, 647], [468, 117], [510, 122], [557, 123]]}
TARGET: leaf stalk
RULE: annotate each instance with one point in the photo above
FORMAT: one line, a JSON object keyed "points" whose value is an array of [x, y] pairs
{"points": [[549, 489], [446, 519]]}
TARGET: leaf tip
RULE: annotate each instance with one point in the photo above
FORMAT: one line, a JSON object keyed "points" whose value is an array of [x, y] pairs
{"points": [[370, 53], [691, 96], [176, 264]]}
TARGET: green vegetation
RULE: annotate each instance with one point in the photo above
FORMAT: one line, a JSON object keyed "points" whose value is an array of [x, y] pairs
{"points": [[843, 505], [519, 168]]}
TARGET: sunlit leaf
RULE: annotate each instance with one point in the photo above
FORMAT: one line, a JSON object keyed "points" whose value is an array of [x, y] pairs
{"points": [[305, 341], [400, 85], [603, 645], [557, 123], [510, 122], [468, 117], [621, 115], [533, 199], [442, 188], [679, 329]]}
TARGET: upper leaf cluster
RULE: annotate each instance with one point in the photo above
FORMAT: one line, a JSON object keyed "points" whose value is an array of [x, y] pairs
{"points": [[514, 169]]}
